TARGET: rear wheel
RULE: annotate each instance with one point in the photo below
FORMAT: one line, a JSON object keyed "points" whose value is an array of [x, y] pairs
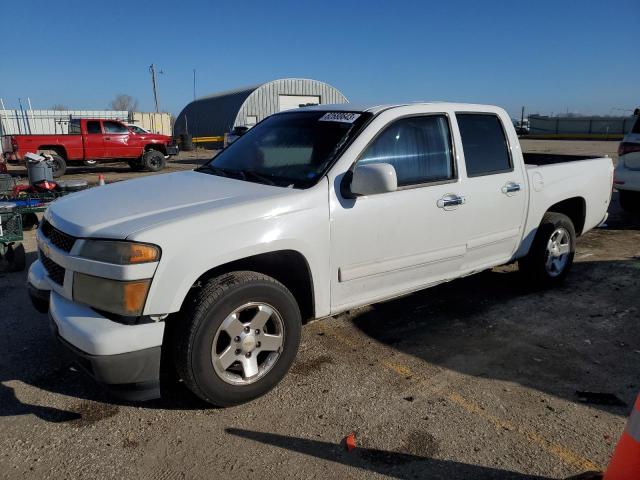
{"points": [[153, 160], [551, 254], [236, 338], [59, 165], [629, 201]]}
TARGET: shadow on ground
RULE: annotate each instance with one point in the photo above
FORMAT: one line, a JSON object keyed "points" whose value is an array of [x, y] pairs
{"points": [[583, 336], [393, 464]]}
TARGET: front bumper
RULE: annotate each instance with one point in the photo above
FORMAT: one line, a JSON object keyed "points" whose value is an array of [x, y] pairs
{"points": [[172, 149], [124, 358], [130, 376]]}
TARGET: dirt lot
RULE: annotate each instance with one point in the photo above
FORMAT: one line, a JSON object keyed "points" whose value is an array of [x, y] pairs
{"points": [[473, 379]]}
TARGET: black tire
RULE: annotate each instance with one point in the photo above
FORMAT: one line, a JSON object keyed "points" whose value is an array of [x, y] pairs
{"points": [[136, 165], [59, 165], [534, 265], [29, 221], [15, 257], [40, 304], [203, 315], [629, 201], [153, 160]]}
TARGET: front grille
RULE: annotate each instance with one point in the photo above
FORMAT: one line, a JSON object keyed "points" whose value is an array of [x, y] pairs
{"points": [[55, 271], [56, 237]]}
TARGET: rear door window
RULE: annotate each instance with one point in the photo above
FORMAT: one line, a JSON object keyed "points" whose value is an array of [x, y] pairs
{"points": [[486, 151], [93, 127]]}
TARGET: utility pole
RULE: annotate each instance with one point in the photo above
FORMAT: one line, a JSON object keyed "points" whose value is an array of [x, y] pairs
{"points": [[152, 69], [194, 84], [522, 118]]}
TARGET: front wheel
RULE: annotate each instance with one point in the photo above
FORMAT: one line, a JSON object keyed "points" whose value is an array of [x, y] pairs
{"points": [[153, 160], [551, 254], [236, 338]]}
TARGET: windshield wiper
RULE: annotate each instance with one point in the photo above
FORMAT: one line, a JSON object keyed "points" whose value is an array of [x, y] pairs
{"points": [[214, 170], [257, 176], [238, 174]]}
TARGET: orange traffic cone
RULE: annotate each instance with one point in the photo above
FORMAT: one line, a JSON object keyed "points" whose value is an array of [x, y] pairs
{"points": [[100, 179], [625, 463]]}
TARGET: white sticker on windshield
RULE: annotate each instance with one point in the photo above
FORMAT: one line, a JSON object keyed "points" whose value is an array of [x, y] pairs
{"points": [[344, 117]]}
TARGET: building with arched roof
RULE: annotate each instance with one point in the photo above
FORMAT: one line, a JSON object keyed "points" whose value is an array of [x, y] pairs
{"points": [[217, 114]]}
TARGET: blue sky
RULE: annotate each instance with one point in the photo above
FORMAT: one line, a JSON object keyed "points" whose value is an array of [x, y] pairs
{"points": [[551, 56]]}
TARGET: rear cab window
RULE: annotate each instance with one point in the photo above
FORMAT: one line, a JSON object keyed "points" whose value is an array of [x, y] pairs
{"points": [[74, 127], [484, 142]]}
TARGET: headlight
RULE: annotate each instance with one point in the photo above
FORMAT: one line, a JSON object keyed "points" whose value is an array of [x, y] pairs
{"points": [[119, 252], [115, 296]]}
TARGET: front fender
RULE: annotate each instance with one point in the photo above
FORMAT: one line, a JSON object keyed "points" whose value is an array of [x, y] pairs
{"points": [[192, 248]]}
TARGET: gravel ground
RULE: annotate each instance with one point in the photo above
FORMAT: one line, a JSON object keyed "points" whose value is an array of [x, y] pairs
{"points": [[473, 379]]}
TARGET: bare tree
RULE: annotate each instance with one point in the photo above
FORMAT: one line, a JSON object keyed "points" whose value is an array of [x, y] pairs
{"points": [[58, 106], [124, 102]]}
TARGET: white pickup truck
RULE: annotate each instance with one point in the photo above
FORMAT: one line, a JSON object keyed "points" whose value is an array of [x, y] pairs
{"points": [[310, 213]]}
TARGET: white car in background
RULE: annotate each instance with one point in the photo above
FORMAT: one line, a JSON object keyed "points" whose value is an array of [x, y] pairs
{"points": [[627, 175], [235, 134], [137, 129]]}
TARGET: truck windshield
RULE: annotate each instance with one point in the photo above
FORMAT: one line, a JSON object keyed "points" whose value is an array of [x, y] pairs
{"points": [[290, 149]]}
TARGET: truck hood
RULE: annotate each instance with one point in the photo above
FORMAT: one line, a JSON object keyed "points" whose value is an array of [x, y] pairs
{"points": [[155, 136], [120, 209]]}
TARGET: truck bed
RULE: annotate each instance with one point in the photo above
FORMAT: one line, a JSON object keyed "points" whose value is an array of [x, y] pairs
{"points": [[553, 158]]}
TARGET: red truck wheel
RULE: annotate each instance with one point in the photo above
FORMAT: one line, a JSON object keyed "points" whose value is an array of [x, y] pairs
{"points": [[59, 165], [153, 160]]}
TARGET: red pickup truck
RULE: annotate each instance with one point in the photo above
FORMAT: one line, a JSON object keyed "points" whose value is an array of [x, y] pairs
{"points": [[94, 140]]}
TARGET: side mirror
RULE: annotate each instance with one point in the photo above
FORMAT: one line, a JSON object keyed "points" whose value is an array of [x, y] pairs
{"points": [[373, 178]]}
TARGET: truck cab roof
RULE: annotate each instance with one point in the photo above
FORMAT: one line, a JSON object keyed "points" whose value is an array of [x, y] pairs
{"points": [[376, 108]]}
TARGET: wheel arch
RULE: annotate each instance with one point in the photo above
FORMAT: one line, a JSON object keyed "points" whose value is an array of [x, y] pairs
{"points": [[58, 149], [160, 147], [575, 208], [289, 267]]}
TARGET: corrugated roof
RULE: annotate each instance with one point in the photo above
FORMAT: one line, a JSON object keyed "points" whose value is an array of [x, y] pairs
{"points": [[216, 114]]}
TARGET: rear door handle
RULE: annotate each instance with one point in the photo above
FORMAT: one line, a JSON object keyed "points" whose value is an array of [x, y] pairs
{"points": [[511, 187], [450, 201]]}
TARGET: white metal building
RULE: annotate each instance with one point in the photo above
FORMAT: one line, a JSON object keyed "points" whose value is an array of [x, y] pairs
{"points": [[217, 114]]}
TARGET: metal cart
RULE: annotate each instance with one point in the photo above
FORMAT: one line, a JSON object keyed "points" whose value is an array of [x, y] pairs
{"points": [[11, 249], [13, 222]]}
